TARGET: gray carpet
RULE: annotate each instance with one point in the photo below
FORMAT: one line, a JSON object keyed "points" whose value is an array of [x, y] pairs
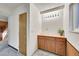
{"points": [[43, 53], [8, 51], [5, 50]]}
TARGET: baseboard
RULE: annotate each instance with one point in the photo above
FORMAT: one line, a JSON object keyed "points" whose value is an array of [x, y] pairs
{"points": [[13, 47]]}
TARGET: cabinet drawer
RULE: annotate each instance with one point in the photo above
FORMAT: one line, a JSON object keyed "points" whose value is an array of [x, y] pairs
{"points": [[60, 39], [60, 43], [41, 37], [50, 38]]}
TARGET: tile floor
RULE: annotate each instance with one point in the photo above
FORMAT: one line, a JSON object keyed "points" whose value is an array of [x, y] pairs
{"points": [[43, 53]]}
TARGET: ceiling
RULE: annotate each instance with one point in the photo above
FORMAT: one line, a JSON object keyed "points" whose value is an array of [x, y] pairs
{"points": [[7, 8], [45, 6]]}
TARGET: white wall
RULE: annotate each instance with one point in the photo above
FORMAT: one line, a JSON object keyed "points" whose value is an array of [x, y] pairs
{"points": [[34, 29], [73, 38], [50, 26], [33, 25], [13, 25]]}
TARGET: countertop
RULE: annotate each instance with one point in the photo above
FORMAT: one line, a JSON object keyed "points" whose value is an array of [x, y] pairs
{"points": [[53, 36]]}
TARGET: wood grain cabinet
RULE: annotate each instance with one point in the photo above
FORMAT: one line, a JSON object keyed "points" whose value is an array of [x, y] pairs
{"points": [[61, 46], [52, 44], [71, 51], [41, 42]]}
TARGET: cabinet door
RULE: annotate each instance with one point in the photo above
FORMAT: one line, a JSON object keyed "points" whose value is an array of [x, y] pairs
{"points": [[41, 42], [71, 51], [60, 46], [50, 44]]}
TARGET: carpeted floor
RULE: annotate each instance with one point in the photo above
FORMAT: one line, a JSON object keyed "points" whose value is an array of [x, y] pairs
{"points": [[8, 51]]}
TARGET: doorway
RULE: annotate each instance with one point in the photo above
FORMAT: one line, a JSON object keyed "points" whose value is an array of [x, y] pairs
{"points": [[22, 33], [3, 30]]}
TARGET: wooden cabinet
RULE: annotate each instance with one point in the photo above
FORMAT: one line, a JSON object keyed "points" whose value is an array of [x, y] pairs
{"points": [[41, 42], [61, 46], [71, 51], [52, 44]]}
